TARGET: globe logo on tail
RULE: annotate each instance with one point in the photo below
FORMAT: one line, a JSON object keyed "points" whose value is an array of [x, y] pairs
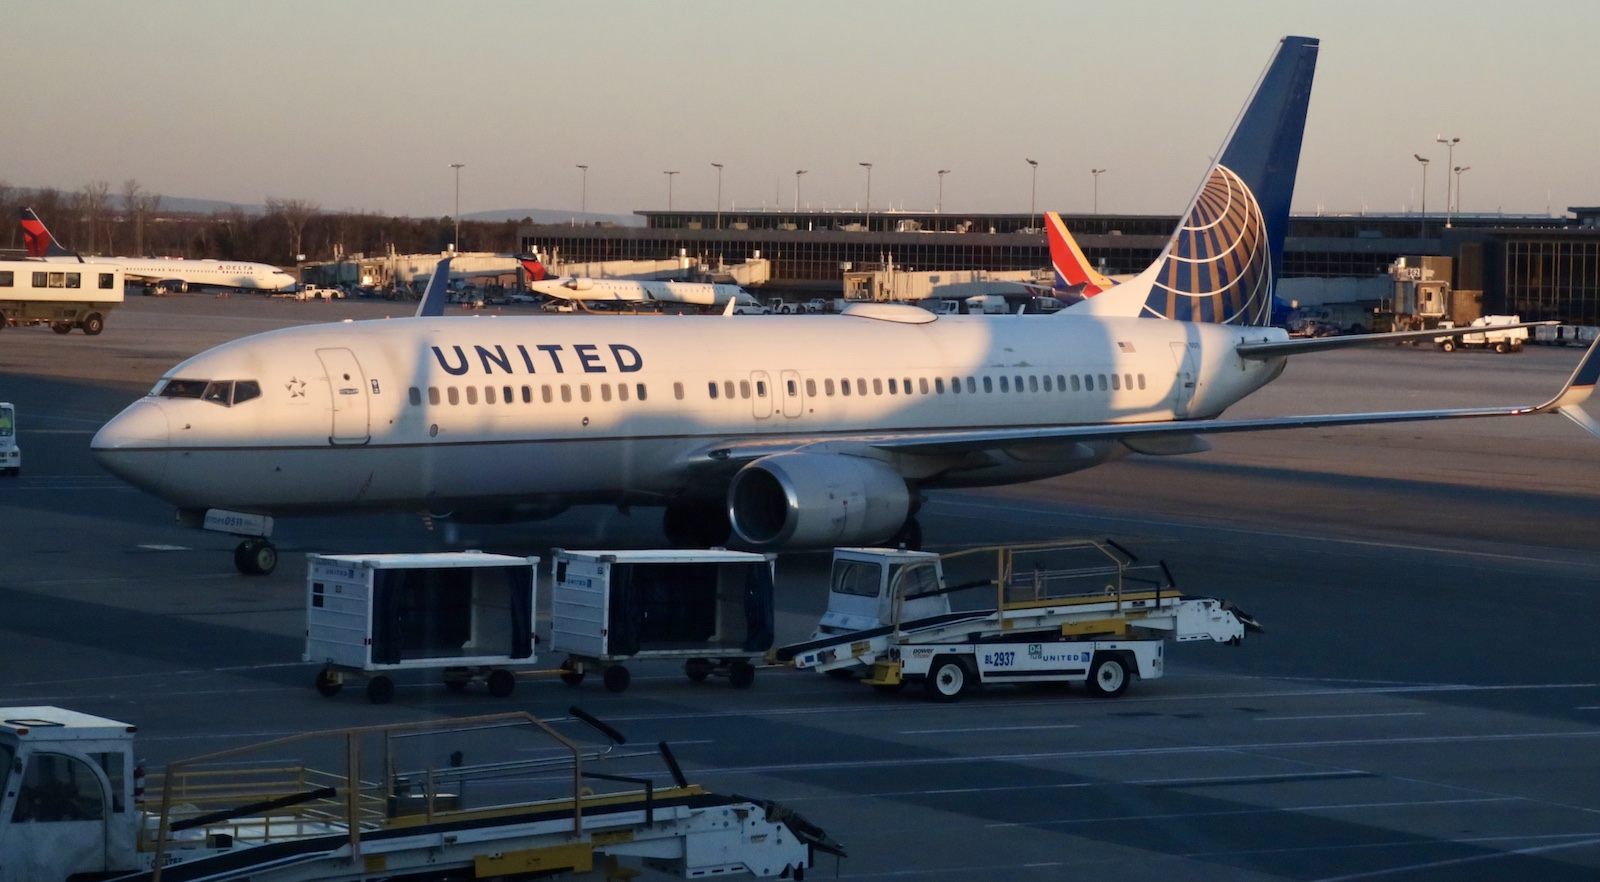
{"points": [[1217, 268]]}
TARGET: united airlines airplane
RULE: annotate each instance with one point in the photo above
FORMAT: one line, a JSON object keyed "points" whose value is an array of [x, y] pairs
{"points": [[158, 271], [786, 432]]}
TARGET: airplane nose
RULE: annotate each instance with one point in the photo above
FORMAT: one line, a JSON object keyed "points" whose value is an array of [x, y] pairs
{"points": [[133, 446]]}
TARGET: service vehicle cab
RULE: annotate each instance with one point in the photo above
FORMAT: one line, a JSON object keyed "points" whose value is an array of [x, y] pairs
{"points": [[10, 453]]}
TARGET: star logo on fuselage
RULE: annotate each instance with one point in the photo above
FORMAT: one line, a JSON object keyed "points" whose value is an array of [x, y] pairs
{"points": [[296, 387]]}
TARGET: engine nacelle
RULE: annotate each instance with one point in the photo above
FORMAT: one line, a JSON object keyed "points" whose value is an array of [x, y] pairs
{"points": [[817, 500]]}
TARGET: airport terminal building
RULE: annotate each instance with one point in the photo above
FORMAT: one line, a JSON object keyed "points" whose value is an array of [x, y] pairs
{"points": [[1538, 267]]}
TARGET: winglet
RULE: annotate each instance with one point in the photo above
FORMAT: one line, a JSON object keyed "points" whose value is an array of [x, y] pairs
{"points": [[1578, 388], [36, 237], [432, 304]]}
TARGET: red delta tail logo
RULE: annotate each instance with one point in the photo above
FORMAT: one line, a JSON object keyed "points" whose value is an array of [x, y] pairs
{"points": [[1072, 267], [534, 268], [34, 234]]}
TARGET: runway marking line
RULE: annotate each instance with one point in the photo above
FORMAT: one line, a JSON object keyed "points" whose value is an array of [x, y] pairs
{"points": [[1340, 716], [1258, 810], [986, 729], [1453, 862]]}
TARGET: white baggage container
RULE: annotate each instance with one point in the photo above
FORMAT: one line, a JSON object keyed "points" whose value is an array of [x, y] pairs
{"points": [[467, 614], [712, 608]]}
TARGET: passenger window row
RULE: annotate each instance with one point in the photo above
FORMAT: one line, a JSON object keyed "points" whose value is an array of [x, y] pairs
{"points": [[525, 394], [1004, 383]]}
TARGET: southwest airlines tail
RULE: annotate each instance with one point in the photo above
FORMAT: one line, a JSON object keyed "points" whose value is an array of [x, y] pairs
{"points": [[1223, 262], [36, 237], [1072, 267]]}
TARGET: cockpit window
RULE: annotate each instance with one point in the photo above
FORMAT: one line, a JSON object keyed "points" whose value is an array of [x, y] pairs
{"points": [[183, 389], [224, 392]]}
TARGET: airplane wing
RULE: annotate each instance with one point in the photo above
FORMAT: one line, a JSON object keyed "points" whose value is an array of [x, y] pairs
{"points": [[1171, 436], [433, 296], [1276, 348]]}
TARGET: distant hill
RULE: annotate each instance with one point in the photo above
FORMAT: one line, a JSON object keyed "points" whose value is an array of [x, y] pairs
{"points": [[556, 216]]}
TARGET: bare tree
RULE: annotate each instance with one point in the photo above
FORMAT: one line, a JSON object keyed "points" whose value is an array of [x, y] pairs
{"points": [[138, 204], [93, 206], [8, 209], [294, 213]]}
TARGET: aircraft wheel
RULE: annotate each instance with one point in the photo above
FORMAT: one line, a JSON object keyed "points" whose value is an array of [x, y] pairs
{"points": [[741, 674], [93, 324], [62, 327], [697, 669], [617, 678], [502, 683], [256, 557], [380, 690], [1108, 676], [327, 685], [948, 679]]}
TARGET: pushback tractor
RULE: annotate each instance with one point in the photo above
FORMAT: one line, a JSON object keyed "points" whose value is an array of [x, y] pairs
{"points": [[508, 796], [1067, 612]]}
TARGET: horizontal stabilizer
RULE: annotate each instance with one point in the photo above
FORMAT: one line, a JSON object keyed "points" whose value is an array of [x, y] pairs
{"points": [[1276, 348]]}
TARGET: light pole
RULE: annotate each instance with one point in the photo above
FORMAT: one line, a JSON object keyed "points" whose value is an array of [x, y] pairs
{"points": [[583, 200], [669, 175], [797, 190], [1033, 199], [1459, 169], [939, 208], [1097, 172], [1449, 160], [1424, 224], [718, 167], [868, 167], [455, 245]]}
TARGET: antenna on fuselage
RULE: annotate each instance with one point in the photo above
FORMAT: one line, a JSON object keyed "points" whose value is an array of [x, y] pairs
{"points": [[433, 296]]}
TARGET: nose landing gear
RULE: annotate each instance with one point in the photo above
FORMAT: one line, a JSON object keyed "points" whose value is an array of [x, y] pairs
{"points": [[256, 557]]}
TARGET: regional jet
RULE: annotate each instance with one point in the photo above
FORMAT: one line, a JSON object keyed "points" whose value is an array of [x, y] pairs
{"points": [[806, 431], [633, 291], [162, 272]]}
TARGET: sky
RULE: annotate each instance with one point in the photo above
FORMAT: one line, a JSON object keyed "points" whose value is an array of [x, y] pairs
{"points": [[365, 105]]}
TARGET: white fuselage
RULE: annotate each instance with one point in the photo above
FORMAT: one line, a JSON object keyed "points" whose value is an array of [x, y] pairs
{"points": [[634, 291], [452, 414], [217, 273]]}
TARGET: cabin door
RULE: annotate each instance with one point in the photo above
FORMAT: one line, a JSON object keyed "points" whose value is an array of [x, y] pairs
{"points": [[1187, 380], [347, 387]]}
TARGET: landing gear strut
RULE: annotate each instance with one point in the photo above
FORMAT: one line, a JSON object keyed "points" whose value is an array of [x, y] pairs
{"points": [[256, 557]]}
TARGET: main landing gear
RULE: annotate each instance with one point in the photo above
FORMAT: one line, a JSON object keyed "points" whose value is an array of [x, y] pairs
{"points": [[256, 557]]}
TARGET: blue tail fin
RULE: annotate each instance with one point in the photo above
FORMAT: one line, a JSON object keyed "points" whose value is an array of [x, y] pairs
{"points": [[1223, 262]]}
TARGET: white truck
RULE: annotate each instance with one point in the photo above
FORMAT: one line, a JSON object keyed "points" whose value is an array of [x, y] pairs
{"points": [[10, 453], [63, 295], [392, 805], [1069, 612], [1494, 336]]}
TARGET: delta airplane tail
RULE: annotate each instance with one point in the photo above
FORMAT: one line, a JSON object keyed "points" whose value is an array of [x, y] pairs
{"points": [[1073, 270], [1223, 262], [533, 267], [37, 239]]}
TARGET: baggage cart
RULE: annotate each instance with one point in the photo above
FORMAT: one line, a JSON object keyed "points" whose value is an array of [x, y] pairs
{"points": [[712, 608], [466, 614]]}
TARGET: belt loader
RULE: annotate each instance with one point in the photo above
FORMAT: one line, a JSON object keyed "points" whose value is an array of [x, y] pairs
{"points": [[395, 802], [1066, 612]]}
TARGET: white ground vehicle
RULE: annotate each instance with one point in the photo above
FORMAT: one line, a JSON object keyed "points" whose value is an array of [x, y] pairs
{"points": [[711, 608], [1072, 612], [392, 807], [466, 614], [10, 453], [1500, 339], [62, 295]]}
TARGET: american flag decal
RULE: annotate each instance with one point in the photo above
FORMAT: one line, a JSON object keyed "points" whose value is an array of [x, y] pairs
{"points": [[1125, 347]]}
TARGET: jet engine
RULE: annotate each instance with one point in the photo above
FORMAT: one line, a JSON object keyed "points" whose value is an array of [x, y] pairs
{"points": [[817, 500]]}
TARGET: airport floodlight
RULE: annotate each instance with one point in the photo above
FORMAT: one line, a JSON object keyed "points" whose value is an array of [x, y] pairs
{"points": [[1449, 160], [1423, 227], [583, 198], [718, 167], [939, 207], [1458, 170], [455, 244], [797, 175], [1097, 172], [868, 167], [1033, 198]]}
